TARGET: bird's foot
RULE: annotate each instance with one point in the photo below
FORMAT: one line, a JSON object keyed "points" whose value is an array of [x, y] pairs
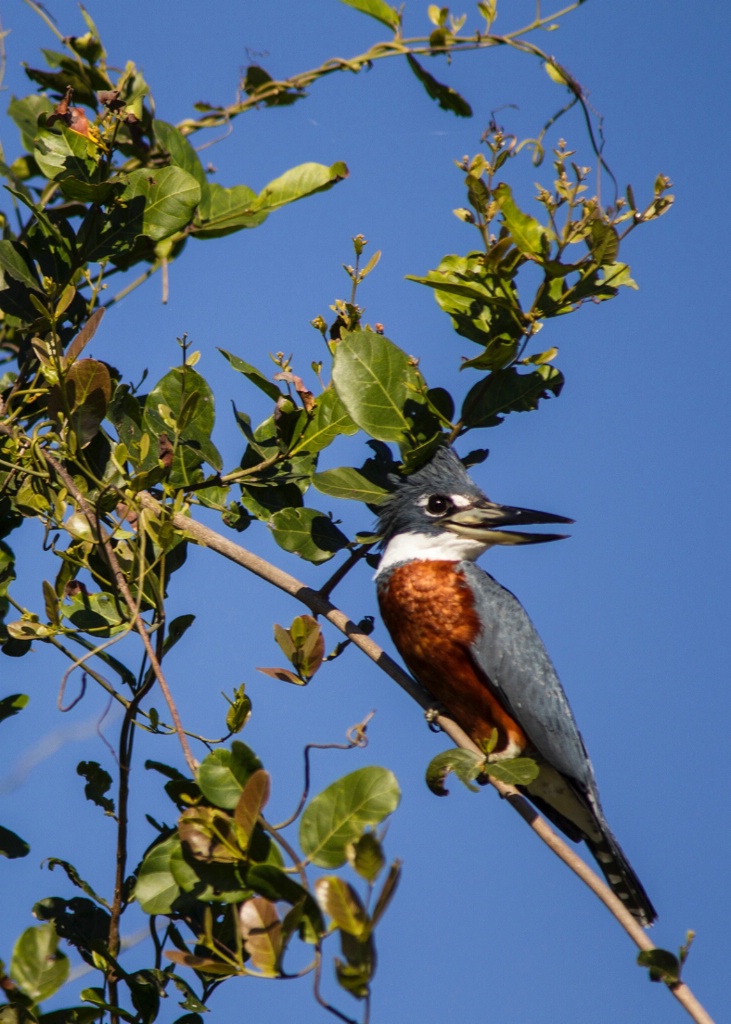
{"points": [[432, 714]]}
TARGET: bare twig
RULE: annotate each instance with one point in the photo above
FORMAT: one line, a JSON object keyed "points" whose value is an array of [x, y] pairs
{"points": [[123, 588], [314, 600]]}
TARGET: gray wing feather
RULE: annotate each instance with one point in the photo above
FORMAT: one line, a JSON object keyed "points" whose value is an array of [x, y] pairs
{"points": [[511, 653]]}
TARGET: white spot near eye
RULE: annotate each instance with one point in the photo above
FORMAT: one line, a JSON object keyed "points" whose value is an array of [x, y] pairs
{"points": [[459, 501]]}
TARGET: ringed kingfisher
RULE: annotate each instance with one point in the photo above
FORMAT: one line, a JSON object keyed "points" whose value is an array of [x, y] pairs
{"points": [[471, 645]]}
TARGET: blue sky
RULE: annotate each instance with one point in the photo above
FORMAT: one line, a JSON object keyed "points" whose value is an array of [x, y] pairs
{"points": [[633, 608]]}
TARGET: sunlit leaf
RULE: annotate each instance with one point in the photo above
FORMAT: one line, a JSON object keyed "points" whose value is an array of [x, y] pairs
{"points": [[37, 966], [377, 9], [341, 813], [224, 773]]}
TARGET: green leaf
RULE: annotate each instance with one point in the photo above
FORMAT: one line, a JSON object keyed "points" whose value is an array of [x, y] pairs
{"points": [[299, 182], [12, 705], [252, 801], [18, 281], [98, 782], [505, 391], [377, 382], [224, 773], [366, 857], [164, 413], [225, 210], [330, 420], [272, 882], [65, 154], [465, 764], [37, 967], [11, 845], [340, 900], [239, 710], [347, 482], [170, 195], [663, 965], [71, 1015], [303, 645], [75, 878], [251, 373], [25, 112], [515, 771], [603, 242], [97, 614], [482, 301], [307, 533], [156, 889], [87, 392], [527, 233], [445, 96], [342, 812], [377, 9], [180, 151]]}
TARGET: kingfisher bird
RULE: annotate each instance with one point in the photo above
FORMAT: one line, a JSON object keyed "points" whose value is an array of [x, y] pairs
{"points": [[471, 645]]}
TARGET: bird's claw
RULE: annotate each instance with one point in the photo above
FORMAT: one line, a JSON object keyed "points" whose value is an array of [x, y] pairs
{"points": [[431, 715]]}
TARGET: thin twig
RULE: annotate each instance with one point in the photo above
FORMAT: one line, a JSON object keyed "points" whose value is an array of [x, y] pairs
{"points": [[209, 538], [123, 588]]}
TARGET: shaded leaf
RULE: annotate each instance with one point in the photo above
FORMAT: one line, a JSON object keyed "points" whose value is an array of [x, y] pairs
{"points": [[347, 482], [12, 705], [256, 377], [261, 931], [98, 782], [11, 845], [75, 878], [508, 390], [276, 885], [365, 856], [663, 965], [340, 814], [446, 97], [307, 533]]}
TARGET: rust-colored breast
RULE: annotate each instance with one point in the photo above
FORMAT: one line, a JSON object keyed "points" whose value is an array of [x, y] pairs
{"points": [[429, 612]]}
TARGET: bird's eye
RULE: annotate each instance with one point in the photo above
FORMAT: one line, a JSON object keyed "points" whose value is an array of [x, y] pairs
{"points": [[438, 505]]}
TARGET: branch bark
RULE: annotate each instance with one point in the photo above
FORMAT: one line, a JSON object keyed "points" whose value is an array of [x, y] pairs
{"points": [[321, 605]]}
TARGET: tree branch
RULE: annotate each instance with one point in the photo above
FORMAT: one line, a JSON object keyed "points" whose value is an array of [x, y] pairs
{"points": [[312, 599]]}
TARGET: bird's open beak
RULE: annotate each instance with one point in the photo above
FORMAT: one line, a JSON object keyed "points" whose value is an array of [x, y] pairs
{"points": [[479, 523]]}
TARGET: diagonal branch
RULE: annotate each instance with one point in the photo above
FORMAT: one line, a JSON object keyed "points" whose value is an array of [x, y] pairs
{"points": [[319, 605]]}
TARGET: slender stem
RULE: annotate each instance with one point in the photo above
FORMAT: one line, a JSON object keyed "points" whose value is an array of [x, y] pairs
{"points": [[123, 588]]}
